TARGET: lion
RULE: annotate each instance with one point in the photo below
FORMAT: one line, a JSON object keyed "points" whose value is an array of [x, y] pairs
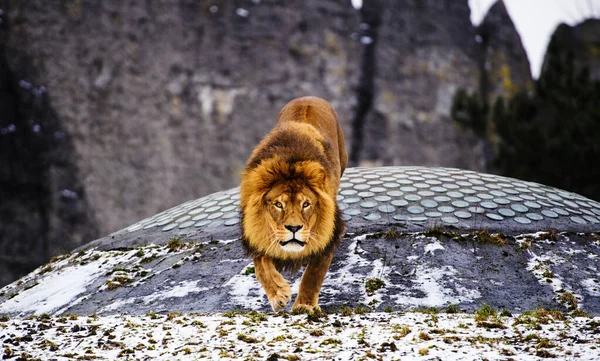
{"points": [[289, 212]]}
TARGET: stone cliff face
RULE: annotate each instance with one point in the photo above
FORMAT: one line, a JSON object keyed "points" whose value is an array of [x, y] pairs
{"points": [[425, 51], [164, 103], [504, 67], [158, 103], [43, 204], [583, 42]]}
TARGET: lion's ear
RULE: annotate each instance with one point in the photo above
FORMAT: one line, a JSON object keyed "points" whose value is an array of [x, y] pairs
{"points": [[317, 177]]}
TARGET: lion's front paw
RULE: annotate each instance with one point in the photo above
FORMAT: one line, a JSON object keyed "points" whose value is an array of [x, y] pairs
{"points": [[281, 297], [300, 308]]}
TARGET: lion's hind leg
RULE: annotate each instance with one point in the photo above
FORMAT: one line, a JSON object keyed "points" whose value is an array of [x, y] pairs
{"points": [[310, 286], [276, 287]]}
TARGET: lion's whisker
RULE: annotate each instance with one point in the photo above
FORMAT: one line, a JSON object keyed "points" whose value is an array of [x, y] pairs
{"points": [[273, 242]]}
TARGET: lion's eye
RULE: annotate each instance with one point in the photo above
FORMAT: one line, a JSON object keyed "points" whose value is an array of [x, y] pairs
{"points": [[305, 205], [279, 205]]}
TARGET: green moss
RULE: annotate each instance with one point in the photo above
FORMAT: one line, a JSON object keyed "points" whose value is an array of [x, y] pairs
{"points": [[256, 316], [544, 354], [148, 259], [400, 331], [373, 284], [316, 333], [346, 311], [552, 235], [247, 339], [388, 346], [47, 268], [427, 311], [232, 314], [545, 343], [51, 345], [118, 281], [361, 310], [424, 336], [439, 231], [249, 271], [390, 234], [452, 309], [544, 316], [175, 244], [484, 236], [331, 341], [30, 286], [568, 300], [118, 269], [316, 315], [579, 313], [505, 313], [548, 274], [485, 312], [173, 315]]}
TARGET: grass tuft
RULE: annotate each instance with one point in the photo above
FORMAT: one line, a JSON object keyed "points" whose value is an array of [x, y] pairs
{"points": [[247, 339], [175, 244], [568, 300], [484, 236], [373, 284]]}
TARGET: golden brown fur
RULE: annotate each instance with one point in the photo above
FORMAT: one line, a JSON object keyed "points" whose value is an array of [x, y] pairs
{"points": [[288, 200]]}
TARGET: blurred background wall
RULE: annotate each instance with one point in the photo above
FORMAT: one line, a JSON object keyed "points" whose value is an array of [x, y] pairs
{"points": [[111, 111]]}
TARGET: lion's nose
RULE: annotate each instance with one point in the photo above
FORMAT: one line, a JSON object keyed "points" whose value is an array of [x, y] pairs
{"points": [[293, 229]]}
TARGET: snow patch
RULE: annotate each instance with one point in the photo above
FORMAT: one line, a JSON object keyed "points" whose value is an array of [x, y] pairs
{"points": [[57, 289], [538, 266], [591, 286], [245, 291], [432, 247], [213, 337], [431, 281], [345, 278], [181, 290]]}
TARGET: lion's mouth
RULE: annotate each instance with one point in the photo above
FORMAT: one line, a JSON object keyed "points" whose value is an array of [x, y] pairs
{"points": [[292, 241]]}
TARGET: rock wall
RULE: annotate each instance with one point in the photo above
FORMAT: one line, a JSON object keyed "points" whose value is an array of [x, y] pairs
{"points": [[583, 42], [43, 203], [165, 100], [155, 103], [504, 66], [425, 51]]}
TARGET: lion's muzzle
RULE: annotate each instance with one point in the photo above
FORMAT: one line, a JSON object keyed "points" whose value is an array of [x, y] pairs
{"points": [[292, 245]]}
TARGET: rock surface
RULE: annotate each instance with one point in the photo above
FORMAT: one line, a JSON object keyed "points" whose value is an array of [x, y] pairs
{"points": [[148, 91], [409, 258], [43, 204], [425, 51], [505, 69], [582, 41], [156, 103]]}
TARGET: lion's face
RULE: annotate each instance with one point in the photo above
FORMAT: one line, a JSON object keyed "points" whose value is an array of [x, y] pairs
{"points": [[287, 210], [292, 214]]}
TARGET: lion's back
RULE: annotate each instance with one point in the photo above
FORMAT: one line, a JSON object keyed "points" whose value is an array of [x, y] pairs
{"points": [[322, 116]]}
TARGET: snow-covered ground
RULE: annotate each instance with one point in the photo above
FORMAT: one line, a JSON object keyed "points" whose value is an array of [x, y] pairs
{"points": [[340, 336]]}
